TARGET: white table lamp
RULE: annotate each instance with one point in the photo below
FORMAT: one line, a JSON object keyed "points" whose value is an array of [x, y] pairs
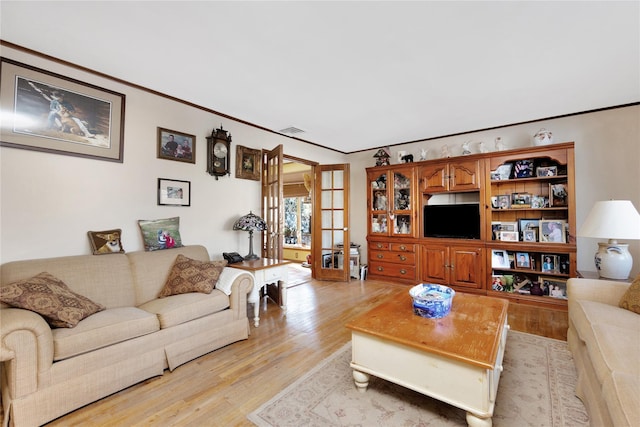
{"points": [[613, 220]]}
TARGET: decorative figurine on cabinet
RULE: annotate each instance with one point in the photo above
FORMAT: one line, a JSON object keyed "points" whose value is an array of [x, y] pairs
{"points": [[444, 152], [423, 153], [500, 145], [465, 148], [482, 148], [382, 157]]}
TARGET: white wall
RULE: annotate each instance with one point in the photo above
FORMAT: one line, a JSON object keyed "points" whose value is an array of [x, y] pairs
{"points": [[50, 201], [607, 155]]}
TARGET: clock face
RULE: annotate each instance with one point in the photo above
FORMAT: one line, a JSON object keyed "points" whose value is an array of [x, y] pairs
{"points": [[220, 150]]}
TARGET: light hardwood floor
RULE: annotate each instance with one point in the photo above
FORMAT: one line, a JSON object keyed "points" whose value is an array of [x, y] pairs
{"points": [[223, 387]]}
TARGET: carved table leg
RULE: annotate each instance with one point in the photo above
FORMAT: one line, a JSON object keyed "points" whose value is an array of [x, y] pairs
{"points": [[361, 379], [474, 421]]}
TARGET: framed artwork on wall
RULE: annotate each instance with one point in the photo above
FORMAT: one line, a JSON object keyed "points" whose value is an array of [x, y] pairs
{"points": [[174, 145], [57, 114], [172, 192], [248, 163]]}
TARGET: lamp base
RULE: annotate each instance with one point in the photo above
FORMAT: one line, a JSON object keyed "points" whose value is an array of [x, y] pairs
{"points": [[613, 260], [251, 257]]}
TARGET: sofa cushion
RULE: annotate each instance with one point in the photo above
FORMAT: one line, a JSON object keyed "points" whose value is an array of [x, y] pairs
{"points": [[584, 314], [614, 349], [177, 309], [190, 275], [631, 299], [103, 329], [160, 233], [51, 298], [151, 269], [620, 392]]}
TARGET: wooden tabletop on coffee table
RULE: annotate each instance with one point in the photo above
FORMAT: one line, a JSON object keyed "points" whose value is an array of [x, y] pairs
{"points": [[469, 333]]}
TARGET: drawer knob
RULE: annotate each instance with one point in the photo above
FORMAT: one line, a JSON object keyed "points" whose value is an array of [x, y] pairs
{"points": [[380, 256], [379, 245], [402, 257], [380, 269], [403, 271], [403, 248]]}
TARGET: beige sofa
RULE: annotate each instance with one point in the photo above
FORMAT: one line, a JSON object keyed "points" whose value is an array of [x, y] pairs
{"points": [[49, 372], [605, 342]]}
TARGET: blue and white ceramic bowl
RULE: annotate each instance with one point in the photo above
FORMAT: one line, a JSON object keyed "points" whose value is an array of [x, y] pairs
{"points": [[431, 301]]}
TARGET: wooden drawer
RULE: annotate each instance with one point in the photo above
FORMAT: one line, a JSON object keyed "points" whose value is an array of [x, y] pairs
{"points": [[383, 246], [398, 271], [395, 257], [402, 247]]}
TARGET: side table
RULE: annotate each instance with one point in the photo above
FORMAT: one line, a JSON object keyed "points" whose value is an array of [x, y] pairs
{"points": [[266, 271]]}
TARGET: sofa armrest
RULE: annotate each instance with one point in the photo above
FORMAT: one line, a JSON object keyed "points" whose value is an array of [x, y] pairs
{"points": [[240, 288], [604, 291], [26, 349]]}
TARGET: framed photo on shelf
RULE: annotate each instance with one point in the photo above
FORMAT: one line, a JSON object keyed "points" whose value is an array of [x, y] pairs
{"points": [[550, 263], [503, 172], [503, 201], [60, 115], [508, 236], [522, 260], [520, 200], [558, 195], [499, 258], [530, 235], [172, 192], [523, 169], [528, 224], [552, 231], [539, 202], [555, 288], [547, 171], [174, 145]]}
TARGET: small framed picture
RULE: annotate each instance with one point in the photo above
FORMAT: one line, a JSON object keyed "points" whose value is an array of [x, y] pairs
{"points": [[508, 236], [499, 258], [503, 202], [248, 163], [174, 193], [552, 231], [550, 263], [547, 171], [174, 145], [558, 195], [523, 169], [520, 200], [528, 224], [539, 202], [555, 288], [522, 260], [503, 172], [530, 235]]}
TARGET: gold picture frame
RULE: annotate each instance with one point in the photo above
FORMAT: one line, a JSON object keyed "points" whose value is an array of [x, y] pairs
{"points": [[56, 114], [248, 163]]}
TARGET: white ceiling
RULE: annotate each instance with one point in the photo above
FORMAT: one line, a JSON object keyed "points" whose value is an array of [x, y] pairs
{"points": [[354, 75]]}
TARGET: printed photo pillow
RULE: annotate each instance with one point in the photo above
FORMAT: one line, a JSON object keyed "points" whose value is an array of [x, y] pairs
{"points": [[160, 234], [106, 242]]}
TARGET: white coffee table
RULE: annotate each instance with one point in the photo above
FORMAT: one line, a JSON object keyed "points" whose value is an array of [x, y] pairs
{"points": [[456, 359]]}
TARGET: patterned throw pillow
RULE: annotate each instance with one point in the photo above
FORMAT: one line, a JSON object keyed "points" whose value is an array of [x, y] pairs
{"points": [[189, 275], [631, 299], [160, 233], [51, 298]]}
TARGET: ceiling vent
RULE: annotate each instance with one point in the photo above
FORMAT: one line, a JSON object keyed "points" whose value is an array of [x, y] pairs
{"points": [[291, 130]]}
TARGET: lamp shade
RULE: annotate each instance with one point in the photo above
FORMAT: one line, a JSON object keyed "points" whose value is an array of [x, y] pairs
{"points": [[250, 222], [612, 219]]}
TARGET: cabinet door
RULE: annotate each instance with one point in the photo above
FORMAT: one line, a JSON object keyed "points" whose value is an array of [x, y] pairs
{"points": [[433, 178], [464, 175], [402, 203], [435, 264], [378, 200], [466, 266]]}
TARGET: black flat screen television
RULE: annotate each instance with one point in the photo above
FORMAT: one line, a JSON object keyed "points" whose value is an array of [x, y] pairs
{"points": [[460, 221]]}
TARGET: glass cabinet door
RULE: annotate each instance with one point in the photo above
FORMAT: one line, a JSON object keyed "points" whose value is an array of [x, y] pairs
{"points": [[401, 205], [379, 204]]}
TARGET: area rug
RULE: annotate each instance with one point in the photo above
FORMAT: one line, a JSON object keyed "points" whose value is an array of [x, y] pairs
{"points": [[536, 389]]}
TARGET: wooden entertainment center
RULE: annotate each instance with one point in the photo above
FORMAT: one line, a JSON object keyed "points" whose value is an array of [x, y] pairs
{"points": [[523, 247]]}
